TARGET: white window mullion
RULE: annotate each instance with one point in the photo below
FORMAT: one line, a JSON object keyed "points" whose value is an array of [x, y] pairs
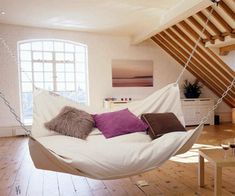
{"points": [[86, 74], [33, 52], [65, 81], [43, 72], [54, 69], [32, 64], [75, 71], [21, 82]]}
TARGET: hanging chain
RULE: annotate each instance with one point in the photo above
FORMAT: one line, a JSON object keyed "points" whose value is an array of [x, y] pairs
{"points": [[195, 46], [204, 119], [2, 96], [27, 131], [14, 57]]}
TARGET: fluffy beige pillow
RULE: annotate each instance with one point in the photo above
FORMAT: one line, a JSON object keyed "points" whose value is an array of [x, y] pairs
{"points": [[72, 122]]}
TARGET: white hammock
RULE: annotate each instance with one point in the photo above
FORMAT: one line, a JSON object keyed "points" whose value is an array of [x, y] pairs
{"points": [[102, 158]]}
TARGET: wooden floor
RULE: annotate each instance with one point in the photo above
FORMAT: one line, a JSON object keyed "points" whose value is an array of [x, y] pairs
{"points": [[177, 176]]}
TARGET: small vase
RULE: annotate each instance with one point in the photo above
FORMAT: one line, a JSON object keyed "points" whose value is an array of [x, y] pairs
{"points": [[191, 95]]}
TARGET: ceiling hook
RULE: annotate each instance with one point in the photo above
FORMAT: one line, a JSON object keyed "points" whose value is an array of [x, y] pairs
{"points": [[216, 2]]}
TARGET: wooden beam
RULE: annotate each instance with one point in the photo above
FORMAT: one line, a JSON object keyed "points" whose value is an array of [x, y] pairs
{"points": [[227, 10], [220, 20], [178, 57], [215, 64], [226, 49], [213, 38], [201, 63], [176, 49], [225, 72], [211, 25], [200, 28], [223, 67], [181, 60]]}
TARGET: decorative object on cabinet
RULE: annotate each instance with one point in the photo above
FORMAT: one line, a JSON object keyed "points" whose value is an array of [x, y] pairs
{"points": [[109, 104], [192, 90]]}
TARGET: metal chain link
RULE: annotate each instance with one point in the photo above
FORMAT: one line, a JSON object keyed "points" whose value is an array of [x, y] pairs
{"points": [[4, 43], [195, 46], [2, 96], [204, 119], [27, 131]]}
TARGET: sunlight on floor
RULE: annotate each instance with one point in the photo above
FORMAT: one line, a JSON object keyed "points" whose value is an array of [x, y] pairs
{"points": [[192, 155], [229, 130]]}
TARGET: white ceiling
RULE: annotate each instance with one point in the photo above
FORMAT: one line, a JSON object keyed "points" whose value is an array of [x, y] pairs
{"points": [[119, 17]]}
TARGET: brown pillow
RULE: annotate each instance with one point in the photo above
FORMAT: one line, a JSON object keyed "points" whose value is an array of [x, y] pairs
{"points": [[161, 123], [72, 122]]}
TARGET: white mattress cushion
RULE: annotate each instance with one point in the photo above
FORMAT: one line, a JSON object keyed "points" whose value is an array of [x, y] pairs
{"points": [[125, 155], [97, 136]]}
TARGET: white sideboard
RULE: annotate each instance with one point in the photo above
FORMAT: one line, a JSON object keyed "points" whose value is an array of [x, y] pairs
{"points": [[113, 104], [195, 109]]}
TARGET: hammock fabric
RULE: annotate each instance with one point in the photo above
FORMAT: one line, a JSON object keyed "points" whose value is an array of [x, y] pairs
{"points": [[101, 158]]}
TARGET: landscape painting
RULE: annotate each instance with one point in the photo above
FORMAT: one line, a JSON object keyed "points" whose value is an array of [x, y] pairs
{"points": [[132, 73]]}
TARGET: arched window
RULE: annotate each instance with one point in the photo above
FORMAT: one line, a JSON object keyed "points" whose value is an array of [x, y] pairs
{"points": [[55, 65]]}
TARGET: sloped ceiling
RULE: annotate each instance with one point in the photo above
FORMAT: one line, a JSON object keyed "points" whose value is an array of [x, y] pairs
{"points": [[206, 65]]}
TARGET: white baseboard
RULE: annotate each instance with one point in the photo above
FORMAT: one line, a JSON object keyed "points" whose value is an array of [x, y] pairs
{"points": [[12, 131]]}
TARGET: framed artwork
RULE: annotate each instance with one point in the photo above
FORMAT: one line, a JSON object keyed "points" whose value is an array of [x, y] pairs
{"points": [[132, 73]]}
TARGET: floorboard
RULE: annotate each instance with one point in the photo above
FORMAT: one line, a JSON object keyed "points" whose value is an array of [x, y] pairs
{"points": [[178, 176]]}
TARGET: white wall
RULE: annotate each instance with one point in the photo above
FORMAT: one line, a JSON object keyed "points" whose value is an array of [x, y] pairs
{"points": [[101, 50], [230, 61]]}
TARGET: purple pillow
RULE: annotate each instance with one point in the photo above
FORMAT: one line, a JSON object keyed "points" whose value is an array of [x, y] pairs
{"points": [[116, 123]]}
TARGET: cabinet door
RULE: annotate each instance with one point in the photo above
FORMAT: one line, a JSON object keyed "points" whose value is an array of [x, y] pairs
{"points": [[211, 117], [201, 112], [189, 115], [195, 110]]}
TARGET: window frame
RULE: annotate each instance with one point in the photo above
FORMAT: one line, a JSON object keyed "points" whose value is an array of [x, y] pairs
{"points": [[54, 62]]}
